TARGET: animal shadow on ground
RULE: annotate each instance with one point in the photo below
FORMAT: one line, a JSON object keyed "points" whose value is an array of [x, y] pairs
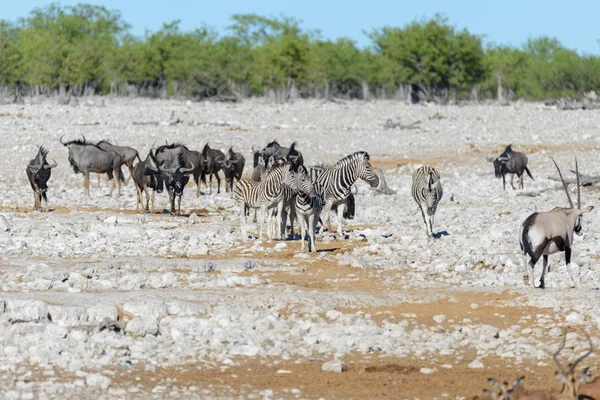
{"points": [[440, 234]]}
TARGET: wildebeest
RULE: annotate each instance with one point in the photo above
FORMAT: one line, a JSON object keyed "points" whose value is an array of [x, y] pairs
{"points": [[176, 177], [233, 168], [545, 233], [129, 154], [213, 163], [510, 162], [86, 157], [38, 172], [145, 177], [168, 153], [275, 150]]}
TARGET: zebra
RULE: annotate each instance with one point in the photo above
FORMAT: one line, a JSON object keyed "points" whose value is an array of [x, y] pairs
{"points": [[308, 207], [427, 193], [334, 184], [264, 195], [349, 211]]}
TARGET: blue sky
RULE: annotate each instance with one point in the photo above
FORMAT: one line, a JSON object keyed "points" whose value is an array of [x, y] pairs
{"points": [[509, 22]]}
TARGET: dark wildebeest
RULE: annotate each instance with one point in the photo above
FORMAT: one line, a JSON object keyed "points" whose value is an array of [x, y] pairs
{"points": [[38, 172], [510, 162], [129, 155], [213, 163], [86, 157], [275, 150], [145, 177], [233, 168], [168, 153], [177, 176]]}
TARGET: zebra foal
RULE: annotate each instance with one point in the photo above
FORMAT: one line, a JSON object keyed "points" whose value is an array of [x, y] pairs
{"points": [[427, 193], [308, 207]]}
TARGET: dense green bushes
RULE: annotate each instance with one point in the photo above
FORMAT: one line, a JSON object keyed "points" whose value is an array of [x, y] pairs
{"points": [[87, 49]]}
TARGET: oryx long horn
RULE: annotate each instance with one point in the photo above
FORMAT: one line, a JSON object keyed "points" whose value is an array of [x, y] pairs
{"points": [[578, 187], [48, 166], [583, 356], [184, 170], [564, 184], [555, 355]]}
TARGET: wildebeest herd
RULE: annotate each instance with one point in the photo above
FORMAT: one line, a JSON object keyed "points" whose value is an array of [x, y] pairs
{"points": [[281, 185]]}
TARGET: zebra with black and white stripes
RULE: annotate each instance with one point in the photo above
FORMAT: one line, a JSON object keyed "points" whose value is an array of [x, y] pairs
{"points": [[427, 193], [309, 205], [334, 184], [264, 195]]}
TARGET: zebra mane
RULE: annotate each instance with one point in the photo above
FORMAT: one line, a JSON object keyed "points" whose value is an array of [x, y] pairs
{"points": [[351, 158]]}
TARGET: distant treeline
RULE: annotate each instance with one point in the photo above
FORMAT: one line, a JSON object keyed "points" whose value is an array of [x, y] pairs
{"points": [[86, 49]]}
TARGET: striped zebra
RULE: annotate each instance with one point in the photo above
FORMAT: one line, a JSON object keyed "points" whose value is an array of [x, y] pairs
{"points": [[263, 195], [427, 192], [308, 206], [334, 184]]}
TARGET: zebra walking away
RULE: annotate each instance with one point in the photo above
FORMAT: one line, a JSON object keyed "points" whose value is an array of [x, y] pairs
{"points": [[334, 184], [308, 207], [427, 192]]}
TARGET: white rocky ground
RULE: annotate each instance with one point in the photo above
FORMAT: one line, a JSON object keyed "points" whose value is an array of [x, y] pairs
{"points": [[91, 291]]}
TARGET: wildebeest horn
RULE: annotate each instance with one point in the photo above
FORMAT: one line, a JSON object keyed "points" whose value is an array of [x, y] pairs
{"points": [[578, 189], [563, 182], [184, 170], [61, 142], [48, 166]]}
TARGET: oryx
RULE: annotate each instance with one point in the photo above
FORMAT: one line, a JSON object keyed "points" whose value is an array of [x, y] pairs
{"points": [[510, 162], [38, 172], [546, 233]]}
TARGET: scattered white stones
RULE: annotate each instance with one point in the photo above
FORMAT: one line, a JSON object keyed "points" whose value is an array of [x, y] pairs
{"points": [[97, 380], [475, 364], [439, 319], [333, 366], [427, 371]]}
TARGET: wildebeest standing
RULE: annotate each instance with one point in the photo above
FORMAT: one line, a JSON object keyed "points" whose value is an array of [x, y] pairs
{"points": [[176, 177], [145, 177], [233, 168], [168, 153], [38, 172], [213, 163], [129, 155], [275, 150], [510, 162], [86, 157]]}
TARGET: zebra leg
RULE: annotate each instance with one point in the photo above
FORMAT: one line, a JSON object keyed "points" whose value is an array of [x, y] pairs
{"points": [[424, 215], [311, 232], [302, 230], [282, 226], [340, 215], [326, 212], [292, 217], [243, 220], [280, 219], [261, 216]]}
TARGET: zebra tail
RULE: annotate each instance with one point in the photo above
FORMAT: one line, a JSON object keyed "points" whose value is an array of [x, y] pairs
{"points": [[529, 173]]}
